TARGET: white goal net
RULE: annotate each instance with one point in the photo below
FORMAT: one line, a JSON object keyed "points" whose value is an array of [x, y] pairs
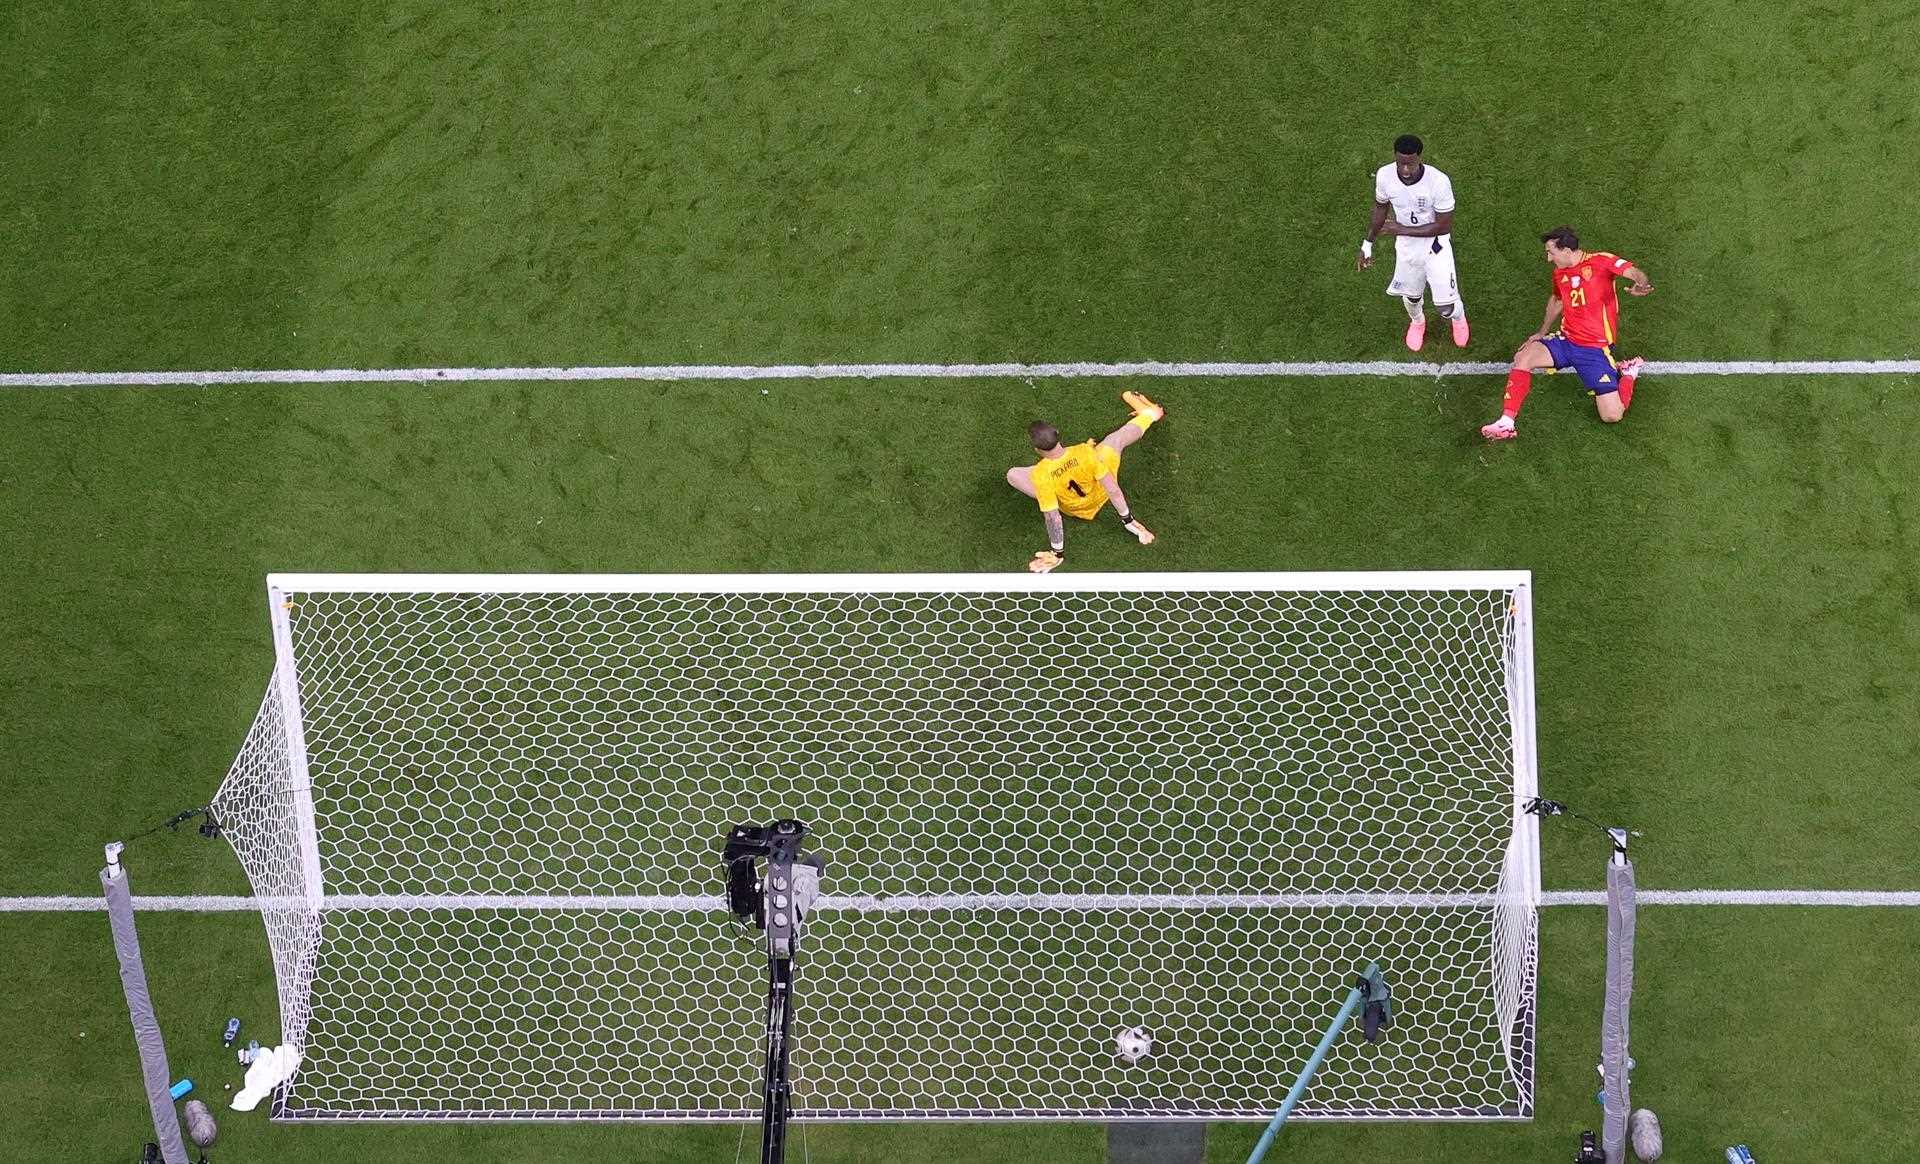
{"points": [[484, 817]]}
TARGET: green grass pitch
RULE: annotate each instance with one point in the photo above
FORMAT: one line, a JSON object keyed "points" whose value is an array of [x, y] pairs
{"points": [[1728, 584]]}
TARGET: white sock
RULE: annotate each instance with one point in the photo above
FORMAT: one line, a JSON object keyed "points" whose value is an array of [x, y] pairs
{"points": [[1416, 308], [1455, 310]]}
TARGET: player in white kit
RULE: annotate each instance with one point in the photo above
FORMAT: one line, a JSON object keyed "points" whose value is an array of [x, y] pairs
{"points": [[1422, 231]]}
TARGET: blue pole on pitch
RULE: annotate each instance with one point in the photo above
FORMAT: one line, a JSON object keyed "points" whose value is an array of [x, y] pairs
{"points": [[1369, 984]]}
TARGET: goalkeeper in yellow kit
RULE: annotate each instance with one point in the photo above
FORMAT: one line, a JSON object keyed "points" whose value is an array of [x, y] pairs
{"points": [[1081, 479]]}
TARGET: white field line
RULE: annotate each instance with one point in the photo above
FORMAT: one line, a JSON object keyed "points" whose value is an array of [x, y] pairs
{"points": [[1139, 369], [699, 902]]}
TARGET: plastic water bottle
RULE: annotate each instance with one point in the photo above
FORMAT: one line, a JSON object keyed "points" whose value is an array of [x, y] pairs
{"points": [[251, 1053], [232, 1032], [181, 1088]]}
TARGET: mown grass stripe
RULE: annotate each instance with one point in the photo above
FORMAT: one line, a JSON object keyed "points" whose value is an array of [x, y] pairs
{"points": [[1140, 369]]}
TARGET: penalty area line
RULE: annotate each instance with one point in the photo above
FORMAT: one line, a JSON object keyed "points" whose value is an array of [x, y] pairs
{"points": [[1140, 369], [691, 902]]}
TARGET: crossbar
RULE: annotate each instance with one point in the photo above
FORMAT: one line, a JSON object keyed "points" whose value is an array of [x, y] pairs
{"points": [[1251, 580]]}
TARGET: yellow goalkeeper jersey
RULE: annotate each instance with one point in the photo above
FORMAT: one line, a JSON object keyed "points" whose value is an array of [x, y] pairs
{"points": [[1071, 482]]}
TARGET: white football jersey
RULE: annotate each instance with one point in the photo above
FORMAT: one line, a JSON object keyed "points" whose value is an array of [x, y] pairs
{"points": [[1418, 204]]}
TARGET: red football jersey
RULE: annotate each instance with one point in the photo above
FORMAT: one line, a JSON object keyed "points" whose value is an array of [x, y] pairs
{"points": [[1590, 311]]}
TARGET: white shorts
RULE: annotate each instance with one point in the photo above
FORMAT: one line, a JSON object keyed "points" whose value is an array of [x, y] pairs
{"points": [[1418, 267]]}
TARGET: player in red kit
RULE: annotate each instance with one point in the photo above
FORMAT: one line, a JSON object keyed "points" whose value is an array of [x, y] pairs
{"points": [[1588, 311]]}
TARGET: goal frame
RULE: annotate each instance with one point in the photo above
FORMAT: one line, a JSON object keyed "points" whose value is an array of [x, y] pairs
{"points": [[980, 583], [284, 587]]}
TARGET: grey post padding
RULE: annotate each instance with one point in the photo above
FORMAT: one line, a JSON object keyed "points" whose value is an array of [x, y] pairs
{"points": [[1621, 908], [146, 1027]]}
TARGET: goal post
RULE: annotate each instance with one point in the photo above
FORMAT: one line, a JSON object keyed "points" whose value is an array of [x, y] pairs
{"points": [[483, 816], [299, 786]]}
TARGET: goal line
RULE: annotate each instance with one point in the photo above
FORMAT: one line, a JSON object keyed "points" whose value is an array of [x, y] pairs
{"points": [[1133, 369]]}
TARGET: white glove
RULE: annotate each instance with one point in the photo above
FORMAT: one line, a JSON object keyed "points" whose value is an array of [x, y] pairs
{"points": [[269, 1070]]}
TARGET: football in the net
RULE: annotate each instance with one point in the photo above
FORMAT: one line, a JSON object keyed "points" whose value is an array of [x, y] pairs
{"points": [[1132, 1045]]}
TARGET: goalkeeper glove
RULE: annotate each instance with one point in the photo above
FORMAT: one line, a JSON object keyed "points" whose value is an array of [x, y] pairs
{"points": [[1044, 561], [1132, 525]]}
